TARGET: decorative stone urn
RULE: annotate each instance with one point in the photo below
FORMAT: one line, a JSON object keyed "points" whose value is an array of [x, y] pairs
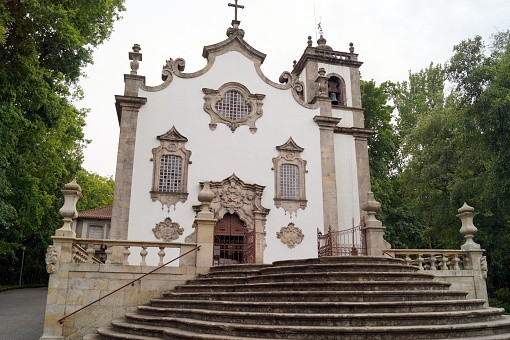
{"points": [[72, 193]]}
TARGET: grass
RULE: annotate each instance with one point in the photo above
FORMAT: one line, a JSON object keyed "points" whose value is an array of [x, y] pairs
{"points": [[12, 287]]}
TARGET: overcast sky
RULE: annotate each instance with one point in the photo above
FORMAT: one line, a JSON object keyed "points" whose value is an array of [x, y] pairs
{"points": [[391, 37]]}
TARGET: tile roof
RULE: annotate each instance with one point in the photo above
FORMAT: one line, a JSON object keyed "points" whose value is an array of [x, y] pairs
{"points": [[103, 213]]}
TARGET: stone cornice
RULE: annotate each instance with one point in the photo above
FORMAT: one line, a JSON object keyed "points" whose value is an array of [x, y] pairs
{"points": [[128, 102], [327, 122], [355, 131]]}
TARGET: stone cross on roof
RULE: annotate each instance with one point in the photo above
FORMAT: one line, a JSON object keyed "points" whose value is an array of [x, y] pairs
{"points": [[236, 6]]}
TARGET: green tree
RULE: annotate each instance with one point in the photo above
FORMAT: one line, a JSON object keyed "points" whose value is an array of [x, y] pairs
{"points": [[46, 45], [97, 190]]}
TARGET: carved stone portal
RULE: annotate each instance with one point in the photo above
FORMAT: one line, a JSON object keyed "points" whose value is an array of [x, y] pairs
{"points": [[168, 230], [51, 259], [233, 196], [290, 235]]}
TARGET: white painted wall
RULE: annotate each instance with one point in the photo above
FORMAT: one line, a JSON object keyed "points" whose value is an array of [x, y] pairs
{"points": [[217, 154]]}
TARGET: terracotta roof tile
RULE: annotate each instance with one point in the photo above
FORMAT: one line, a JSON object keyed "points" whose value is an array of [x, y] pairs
{"points": [[103, 213]]}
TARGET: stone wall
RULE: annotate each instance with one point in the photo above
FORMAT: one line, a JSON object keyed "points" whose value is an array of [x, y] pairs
{"points": [[78, 284]]}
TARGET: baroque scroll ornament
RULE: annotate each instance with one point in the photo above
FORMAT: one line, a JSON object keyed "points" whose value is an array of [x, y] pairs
{"points": [[51, 259], [290, 235], [168, 230]]}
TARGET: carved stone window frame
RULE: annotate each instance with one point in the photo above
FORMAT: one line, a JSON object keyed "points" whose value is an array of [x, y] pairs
{"points": [[254, 100], [171, 143], [289, 153]]}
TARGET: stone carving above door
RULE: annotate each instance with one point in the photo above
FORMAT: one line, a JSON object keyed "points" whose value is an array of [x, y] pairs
{"points": [[290, 235], [236, 197], [167, 230]]}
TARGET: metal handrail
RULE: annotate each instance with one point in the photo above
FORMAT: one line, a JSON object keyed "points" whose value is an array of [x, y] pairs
{"points": [[127, 284]]}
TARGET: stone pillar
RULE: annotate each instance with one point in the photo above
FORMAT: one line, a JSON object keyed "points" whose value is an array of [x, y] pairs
{"points": [[128, 107], [374, 230], [476, 261], [259, 218], [204, 227], [58, 257], [362, 164]]}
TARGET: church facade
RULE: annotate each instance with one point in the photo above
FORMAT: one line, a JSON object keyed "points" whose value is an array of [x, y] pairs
{"points": [[282, 159]]}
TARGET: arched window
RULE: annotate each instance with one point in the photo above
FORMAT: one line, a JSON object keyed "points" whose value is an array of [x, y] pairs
{"points": [[336, 90]]}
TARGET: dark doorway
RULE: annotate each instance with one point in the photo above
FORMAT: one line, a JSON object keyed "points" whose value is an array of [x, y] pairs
{"points": [[233, 244]]}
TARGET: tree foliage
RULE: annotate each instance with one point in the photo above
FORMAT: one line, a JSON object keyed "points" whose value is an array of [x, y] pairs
{"points": [[46, 44], [97, 190], [453, 127]]}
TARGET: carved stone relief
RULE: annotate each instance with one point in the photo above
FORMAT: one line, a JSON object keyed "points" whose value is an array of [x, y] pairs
{"points": [[191, 238], [167, 230], [290, 235], [51, 259], [234, 196], [245, 109]]}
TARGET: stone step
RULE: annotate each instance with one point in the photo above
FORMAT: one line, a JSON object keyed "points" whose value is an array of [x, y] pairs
{"points": [[318, 296], [242, 331], [318, 276], [322, 307], [351, 260], [107, 333], [166, 316], [316, 285], [308, 268]]}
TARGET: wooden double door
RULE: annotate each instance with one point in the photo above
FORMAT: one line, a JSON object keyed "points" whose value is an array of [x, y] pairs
{"points": [[233, 243]]}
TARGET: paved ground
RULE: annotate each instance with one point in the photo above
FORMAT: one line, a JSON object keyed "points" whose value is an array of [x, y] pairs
{"points": [[22, 313]]}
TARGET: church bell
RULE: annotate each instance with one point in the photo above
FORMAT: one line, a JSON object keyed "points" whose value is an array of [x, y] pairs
{"points": [[334, 99]]}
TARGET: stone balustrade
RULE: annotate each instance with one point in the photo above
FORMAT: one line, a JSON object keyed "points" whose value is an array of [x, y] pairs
{"points": [[108, 245], [433, 259]]}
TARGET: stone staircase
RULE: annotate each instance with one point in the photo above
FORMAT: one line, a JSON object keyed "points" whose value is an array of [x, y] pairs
{"points": [[349, 298]]}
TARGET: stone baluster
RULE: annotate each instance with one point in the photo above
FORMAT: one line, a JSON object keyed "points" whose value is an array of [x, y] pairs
{"points": [[143, 254], [407, 260], [432, 261], [126, 254], [161, 254], [444, 262], [90, 253], [456, 261], [108, 251], [420, 260]]}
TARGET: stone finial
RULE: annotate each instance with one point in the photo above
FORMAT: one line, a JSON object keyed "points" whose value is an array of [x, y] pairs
{"points": [[351, 47], [309, 42], [135, 56], [468, 229], [322, 81], [72, 193], [294, 62], [205, 197], [321, 44], [371, 206]]}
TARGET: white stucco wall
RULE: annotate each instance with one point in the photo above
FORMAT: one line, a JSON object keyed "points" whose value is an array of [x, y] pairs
{"points": [[217, 154]]}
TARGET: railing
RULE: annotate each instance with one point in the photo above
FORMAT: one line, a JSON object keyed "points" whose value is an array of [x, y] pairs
{"points": [[433, 259], [108, 244], [61, 320], [350, 242]]}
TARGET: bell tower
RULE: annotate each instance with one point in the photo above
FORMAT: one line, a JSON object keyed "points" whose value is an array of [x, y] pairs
{"points": [[331, 80]]}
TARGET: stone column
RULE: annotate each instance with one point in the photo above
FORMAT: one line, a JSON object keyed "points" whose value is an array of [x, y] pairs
{"points": [[362, 164], [259, 218], [374, 230], [58, 257], [204, 226]]}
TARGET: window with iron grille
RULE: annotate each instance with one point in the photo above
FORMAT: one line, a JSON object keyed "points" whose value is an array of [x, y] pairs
{"points": [[289, 182], [289, 174], [170, 174], [233, 106]]}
